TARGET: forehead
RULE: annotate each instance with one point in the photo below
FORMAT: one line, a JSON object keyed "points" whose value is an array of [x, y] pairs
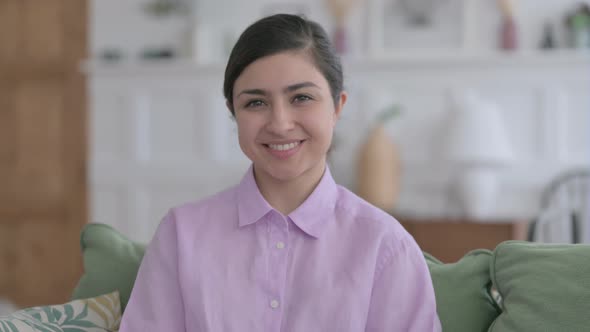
{"points": [[276, 71]]}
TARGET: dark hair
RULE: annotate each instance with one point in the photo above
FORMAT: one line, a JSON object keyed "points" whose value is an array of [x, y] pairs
{"points": [[278, 33]]}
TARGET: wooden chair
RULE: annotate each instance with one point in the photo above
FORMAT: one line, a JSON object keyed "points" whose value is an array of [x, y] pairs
{"points": [[565, 210]]}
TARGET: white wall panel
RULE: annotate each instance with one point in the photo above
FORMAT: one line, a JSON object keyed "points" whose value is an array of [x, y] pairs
{"points": [[152, 202], [175, 131], [419, 124], [577, 125], [162, 135], [110, 127], [110, 205], [160, 132], [223, 141]]}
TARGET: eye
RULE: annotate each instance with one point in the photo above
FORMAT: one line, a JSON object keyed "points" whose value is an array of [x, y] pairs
{"points": [[254, 103], [301, 98]]}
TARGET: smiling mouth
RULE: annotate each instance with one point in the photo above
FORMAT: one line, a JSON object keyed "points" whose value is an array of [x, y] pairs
{"points": [[284, 147]]}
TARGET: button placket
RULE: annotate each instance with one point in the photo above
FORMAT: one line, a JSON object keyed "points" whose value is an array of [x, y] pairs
{"points": [[278, 237], [279, 234]]}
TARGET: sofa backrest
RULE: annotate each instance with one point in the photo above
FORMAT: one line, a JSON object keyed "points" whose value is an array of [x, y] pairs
{"points": [[543, 287]]}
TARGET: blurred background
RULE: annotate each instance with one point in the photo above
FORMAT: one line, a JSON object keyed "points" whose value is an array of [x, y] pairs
{"points": [[467, 120]]}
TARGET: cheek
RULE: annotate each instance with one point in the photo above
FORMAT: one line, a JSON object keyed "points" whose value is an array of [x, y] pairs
{"points": [[321, 127], [248, 129]]}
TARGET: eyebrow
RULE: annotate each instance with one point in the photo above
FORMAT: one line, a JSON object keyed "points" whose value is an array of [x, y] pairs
{"points": [[289, 88]]}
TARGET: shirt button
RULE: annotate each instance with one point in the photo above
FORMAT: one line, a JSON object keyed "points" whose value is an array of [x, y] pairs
{"points": [[274, 304], [280, 245]]}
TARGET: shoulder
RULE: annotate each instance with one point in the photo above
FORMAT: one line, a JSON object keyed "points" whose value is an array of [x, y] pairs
{"points": [[353, 209], [192, 213], [379, 226]]}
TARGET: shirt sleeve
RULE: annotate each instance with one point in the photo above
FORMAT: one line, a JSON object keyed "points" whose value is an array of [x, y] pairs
{"points": [[403, 297], [156, 302]]}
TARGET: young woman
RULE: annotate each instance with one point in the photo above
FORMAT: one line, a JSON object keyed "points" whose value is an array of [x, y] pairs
{"points": [[287, 249]]}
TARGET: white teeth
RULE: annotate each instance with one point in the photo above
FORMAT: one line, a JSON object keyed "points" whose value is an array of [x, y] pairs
{"points": [[283, 147]]}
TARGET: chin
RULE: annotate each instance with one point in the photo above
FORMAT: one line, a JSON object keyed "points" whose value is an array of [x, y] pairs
{"points": [[284, 174]]}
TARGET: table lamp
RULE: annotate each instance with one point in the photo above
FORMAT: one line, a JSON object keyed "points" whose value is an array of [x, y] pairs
{"points": [[477, 146]]}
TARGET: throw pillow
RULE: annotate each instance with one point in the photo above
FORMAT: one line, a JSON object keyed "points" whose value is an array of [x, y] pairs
{"points": [[111, 262], [462, 292], [99, 314], [544, 287]]}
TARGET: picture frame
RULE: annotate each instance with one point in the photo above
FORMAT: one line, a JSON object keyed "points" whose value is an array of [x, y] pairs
{"points": [[397, 27]]}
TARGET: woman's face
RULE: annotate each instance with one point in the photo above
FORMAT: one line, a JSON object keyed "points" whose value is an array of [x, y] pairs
{"points": [[285, 115]]}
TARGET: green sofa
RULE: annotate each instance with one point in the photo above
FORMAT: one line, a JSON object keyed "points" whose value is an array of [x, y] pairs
{"points": [[519, 286]]}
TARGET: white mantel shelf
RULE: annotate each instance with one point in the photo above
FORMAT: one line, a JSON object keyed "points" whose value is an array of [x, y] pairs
{"points": [[445, 59], [557, 58]]}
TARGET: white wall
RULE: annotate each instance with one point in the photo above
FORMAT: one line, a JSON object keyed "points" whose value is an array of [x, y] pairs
{"points": [[160, 134]]}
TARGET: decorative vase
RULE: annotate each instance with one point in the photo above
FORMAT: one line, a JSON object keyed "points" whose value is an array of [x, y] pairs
{"points": [[340, 10], [508, 34], [340, 39], [508, 39], [378, 170]]}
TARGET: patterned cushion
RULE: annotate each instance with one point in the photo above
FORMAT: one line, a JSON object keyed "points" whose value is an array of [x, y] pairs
{"points": [[98, 314]]}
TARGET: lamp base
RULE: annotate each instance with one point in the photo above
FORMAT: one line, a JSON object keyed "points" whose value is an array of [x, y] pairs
{"points": [[477, 190]]}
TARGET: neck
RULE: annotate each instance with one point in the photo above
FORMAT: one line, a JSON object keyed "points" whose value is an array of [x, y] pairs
{"points": [[286, 196]]}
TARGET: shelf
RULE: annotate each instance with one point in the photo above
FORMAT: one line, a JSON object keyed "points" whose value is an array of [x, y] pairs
{"points": [[150, 67], [402, 60], [465, 58]]}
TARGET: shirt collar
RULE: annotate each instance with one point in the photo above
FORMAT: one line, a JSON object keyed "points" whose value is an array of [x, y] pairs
{"points": [[251, 204], [315, 212], [311, 216]]}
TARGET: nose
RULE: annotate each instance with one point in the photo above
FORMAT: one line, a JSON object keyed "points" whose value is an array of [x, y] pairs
{"points": [[280, 119]]}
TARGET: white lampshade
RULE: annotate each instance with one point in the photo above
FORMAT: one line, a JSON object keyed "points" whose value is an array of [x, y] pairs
{"points": [[476, 135]]}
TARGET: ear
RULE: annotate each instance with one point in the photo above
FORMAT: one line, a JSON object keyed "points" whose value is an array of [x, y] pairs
{"points": [[339, 105]]}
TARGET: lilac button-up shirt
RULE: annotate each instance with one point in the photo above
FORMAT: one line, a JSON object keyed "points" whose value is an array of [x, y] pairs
{"points": [[232, 263]]}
